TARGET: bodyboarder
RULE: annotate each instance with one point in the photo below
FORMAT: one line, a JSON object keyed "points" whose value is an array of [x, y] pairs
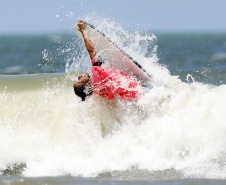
{"points": [[105, 83]]}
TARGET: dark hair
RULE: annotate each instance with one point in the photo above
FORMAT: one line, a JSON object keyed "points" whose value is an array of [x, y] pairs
{"points": [[79, 91], [82, 92]]}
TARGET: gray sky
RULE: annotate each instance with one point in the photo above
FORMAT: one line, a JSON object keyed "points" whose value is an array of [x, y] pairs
{"points": [[162, 15]]}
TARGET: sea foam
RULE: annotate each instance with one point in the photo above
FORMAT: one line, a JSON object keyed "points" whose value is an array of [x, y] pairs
{"points": [[175, 125]]}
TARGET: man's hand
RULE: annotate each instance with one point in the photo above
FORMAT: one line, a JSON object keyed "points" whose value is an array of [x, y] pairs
{"points": [[81, 25]]}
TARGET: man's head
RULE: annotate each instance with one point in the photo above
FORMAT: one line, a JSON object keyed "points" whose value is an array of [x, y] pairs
{"points": [[83, 86]]}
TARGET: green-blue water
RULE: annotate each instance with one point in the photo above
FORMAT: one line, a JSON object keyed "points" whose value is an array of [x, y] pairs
{"points": [[201, 55]]}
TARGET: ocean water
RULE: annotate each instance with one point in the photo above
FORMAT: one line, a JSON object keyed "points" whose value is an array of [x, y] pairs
{"points": [[173, 134]]}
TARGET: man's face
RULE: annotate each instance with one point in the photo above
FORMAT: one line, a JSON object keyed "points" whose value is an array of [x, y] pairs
{"points": [[83, 79]]}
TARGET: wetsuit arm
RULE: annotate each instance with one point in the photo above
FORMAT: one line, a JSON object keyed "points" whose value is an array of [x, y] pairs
{"points": [[88, 42]]}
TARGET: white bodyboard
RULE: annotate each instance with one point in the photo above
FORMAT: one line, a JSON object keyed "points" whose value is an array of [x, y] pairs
{"points": [[114, 57]]}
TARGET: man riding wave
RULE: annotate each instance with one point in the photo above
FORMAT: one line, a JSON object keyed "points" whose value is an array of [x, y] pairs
{"points": [[105, 83]]}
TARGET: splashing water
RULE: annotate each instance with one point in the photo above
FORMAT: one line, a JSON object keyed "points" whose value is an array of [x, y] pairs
{"points": [[174, 126]]}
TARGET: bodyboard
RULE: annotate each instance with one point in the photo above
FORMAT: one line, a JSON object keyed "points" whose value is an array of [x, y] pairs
{"points": [[114, 57]]}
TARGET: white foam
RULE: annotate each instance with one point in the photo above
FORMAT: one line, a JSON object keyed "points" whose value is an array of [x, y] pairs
{"points": [[175, 125]]}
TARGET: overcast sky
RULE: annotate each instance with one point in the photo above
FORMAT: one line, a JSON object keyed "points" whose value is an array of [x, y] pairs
{"points": [[162, 15]]}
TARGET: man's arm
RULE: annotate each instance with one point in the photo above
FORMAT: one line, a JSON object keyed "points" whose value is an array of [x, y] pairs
{"points": [[88, 42]]}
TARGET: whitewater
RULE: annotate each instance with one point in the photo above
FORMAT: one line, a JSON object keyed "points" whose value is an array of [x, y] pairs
{"points": [[175, 130]]}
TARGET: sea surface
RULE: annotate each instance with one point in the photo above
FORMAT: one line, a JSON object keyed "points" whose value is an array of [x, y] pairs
{"points": [[173, 134]]}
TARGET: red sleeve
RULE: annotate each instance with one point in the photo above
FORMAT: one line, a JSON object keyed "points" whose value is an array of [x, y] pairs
{"points": [[96, 62]]}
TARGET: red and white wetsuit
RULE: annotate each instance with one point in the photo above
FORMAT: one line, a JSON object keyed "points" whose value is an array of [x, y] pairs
{"points": [[111, 83]]}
